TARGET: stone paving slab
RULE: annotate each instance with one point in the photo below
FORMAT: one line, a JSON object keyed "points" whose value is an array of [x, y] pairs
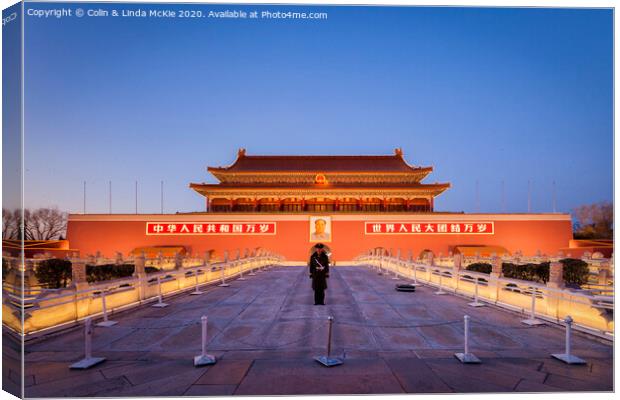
{"points": [[265, 332]]}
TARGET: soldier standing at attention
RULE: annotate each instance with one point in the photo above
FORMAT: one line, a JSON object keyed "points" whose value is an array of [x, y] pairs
{"points": [[319, 272]]}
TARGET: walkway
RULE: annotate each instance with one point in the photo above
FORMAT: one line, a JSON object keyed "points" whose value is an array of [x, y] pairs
{"points": [[265, 332]]}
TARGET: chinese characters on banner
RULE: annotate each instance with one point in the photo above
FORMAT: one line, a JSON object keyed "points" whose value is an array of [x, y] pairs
{"points": [[442, 228], [211, 228]]}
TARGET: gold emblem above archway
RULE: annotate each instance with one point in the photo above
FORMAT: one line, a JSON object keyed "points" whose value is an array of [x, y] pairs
{"points": [[320, 179]]}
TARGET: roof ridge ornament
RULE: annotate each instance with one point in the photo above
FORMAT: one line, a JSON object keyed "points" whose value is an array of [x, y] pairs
{"points": [[241, 152], [398, 151]]}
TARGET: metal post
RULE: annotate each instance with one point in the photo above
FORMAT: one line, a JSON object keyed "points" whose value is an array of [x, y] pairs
{"points": [[532, 321], [466, 357], [160, 303], [197, 291], [241, 278], [327, 360], [88, 360], [503, 197], [466, 329], [252, 266], [529, 196], [105, 323], [395, 277], [204, 358], [477, 197], [554, 198], [567, 357], [136, 197], [330, 322], [476, 303], [440, 291], [222, 274]]}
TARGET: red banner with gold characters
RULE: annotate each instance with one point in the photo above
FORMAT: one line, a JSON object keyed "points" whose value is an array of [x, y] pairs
{"points": [[430, 228], [211, 228]]}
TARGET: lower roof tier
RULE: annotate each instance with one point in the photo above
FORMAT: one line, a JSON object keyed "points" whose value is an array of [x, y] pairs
{"points": [[321, 190]]}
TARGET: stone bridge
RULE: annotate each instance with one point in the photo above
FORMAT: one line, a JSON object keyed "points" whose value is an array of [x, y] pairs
{"points": [[265, 332]]}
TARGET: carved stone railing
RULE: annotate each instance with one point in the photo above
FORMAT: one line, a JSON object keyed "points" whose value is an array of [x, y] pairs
{"points": [[44, 309], [592, 312]]}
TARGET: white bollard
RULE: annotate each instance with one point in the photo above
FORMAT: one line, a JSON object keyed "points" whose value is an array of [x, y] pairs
{"points": [[327, 360], [222, 274], [252, 267], [395, 277], [415, 274], [196, 291], [440, 291], [532, 321], [466, 357], [203, 358], [88, 360], [241, 278], [476, 303], [160, 303], [106, 323], [567, 357]]}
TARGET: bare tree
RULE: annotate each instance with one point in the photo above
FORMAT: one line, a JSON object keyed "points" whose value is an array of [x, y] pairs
{"points": [[594, 221], [44, 224], [11, 221]]}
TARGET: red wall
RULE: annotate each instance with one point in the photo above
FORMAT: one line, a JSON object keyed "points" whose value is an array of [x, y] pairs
{"points": [[527, 233]]}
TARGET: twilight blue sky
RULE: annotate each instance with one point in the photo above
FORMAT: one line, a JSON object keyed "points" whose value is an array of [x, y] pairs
{"points": [[479, 93]]}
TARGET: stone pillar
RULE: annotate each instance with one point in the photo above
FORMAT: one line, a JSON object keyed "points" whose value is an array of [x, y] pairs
{"points": [[139, 263], [178, 260], [78, 272], [496, 267], [398, 254], [119, 258], [430, 259], [160, 260], [79, 283], [496, 272], [140, 273], [556, 281], [410, 256], [457, 262], [556, 271]]}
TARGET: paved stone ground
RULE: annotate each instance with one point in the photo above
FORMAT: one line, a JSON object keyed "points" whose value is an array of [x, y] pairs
{"points": [[265, 332]]}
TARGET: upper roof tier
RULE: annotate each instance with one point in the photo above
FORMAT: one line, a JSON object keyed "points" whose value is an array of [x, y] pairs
{"points": [[276, 165]]}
